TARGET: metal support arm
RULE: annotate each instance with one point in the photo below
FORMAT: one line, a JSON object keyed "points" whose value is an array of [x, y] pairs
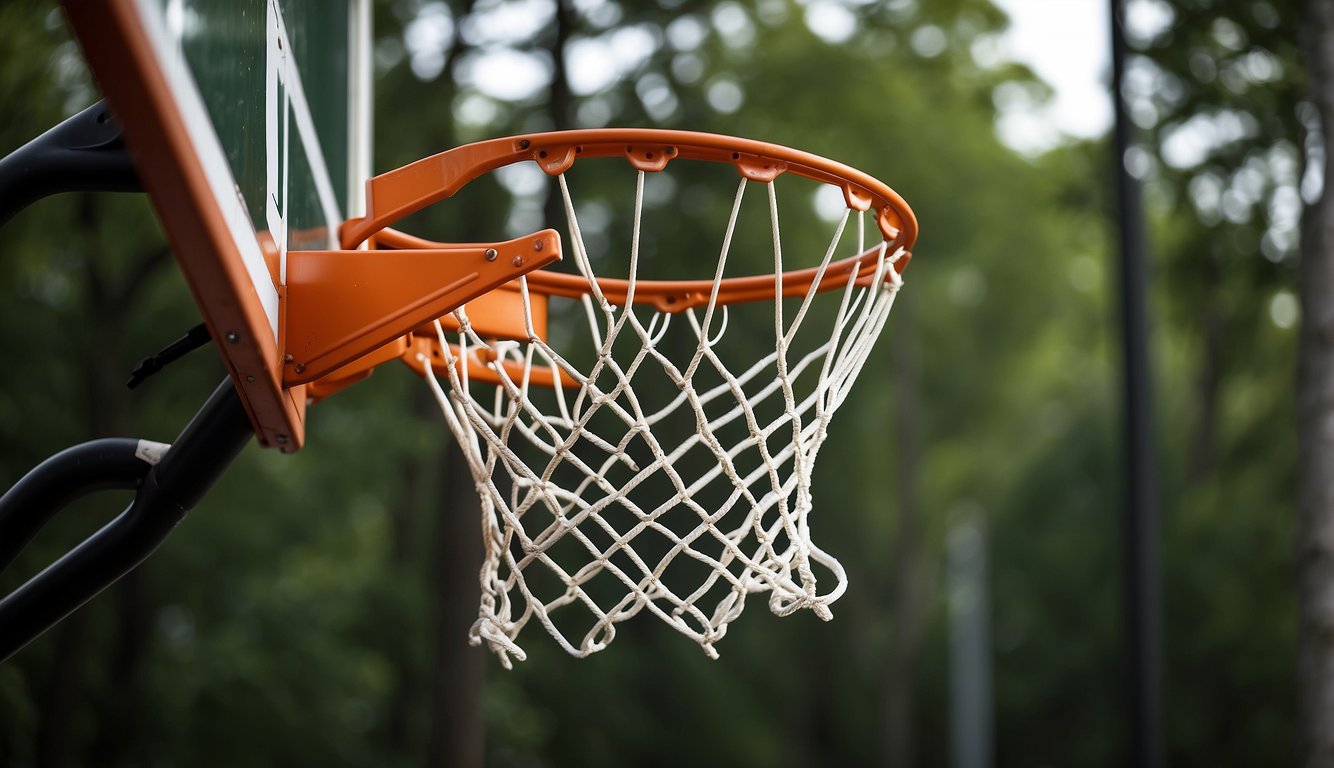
{"points": [[166, 492], [113, 463], [83, 154]]}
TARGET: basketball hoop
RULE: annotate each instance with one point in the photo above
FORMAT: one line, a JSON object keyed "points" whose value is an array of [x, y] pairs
{"points": [[645, 463]]}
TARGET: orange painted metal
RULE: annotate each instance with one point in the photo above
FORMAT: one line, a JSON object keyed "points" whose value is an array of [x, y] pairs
{"points": [[406, 190], [677, 295], [481, 367], [498, 314], [355, 371], [341, 305], [393, 195]]}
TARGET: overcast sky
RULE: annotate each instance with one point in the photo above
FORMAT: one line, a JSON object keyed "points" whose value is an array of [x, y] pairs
{"points": [[1066, 42]]}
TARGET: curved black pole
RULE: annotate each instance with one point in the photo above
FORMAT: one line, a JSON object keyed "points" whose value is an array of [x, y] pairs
{"points": [[205, 448], [85, 153], [113, 463]]}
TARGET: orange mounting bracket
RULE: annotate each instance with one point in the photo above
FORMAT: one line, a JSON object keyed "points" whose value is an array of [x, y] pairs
{"points": [[355, 371], [424, 349], [338, 306]]}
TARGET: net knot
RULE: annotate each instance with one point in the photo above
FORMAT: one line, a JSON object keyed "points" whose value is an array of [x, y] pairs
{"points": [[488, 631]]}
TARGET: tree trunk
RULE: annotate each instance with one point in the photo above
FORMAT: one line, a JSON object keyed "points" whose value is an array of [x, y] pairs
{"points": [[1315, 420], [417, 498], [60, 700], [120, 724], [898, 748], [456, 734], [1204, 437], [456, 737], [120, 713], [560, 104]]}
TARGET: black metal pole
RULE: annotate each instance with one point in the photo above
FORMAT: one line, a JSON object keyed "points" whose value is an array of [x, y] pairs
{"points": [[204, 450], [85, 153], [1143, 603], [111, 463]]}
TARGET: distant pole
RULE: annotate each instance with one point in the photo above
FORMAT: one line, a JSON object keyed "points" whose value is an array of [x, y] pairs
{"points": [[1143, 604], [971, 709]]}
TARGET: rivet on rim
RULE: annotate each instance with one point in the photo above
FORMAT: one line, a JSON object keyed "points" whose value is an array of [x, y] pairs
{"points": [[491, 254]]}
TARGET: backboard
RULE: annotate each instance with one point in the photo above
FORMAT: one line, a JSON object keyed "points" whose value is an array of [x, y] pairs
{"points": [[250, 126]]}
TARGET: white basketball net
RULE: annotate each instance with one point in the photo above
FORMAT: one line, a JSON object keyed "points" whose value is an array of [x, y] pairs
{"points": [[590, 495]]}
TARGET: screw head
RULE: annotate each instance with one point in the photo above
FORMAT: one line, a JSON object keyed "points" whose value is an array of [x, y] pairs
{"points": [[300, 367], [491, 254], [523, 144], [518, 261], [233, 337], [250, 379], [539, 245], [282, 439]]}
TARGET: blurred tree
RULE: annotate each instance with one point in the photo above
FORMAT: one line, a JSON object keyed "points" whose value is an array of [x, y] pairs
{"points": [[1217, 89], [1315, 509]]}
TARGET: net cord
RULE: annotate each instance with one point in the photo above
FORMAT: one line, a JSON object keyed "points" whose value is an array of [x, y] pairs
{"points": [[780, 555]]}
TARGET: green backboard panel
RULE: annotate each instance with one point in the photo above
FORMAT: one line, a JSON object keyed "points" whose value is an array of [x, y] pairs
{"points": [[276, 79], [249, 123]]}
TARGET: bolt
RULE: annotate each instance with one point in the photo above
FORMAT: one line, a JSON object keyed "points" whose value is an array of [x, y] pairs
{"points": [[518, 261], [491, 254], [300, 367], [539, 245], [233, 337], [250, 379]]}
